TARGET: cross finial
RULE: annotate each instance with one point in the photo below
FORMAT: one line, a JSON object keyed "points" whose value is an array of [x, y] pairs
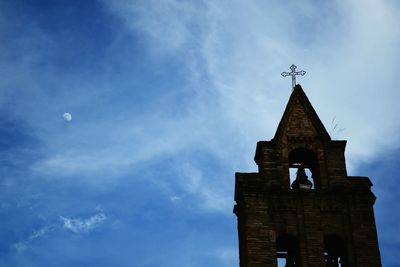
{"points": [[293, 73]]}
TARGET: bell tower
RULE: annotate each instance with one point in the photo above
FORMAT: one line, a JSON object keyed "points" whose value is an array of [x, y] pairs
{"points": [[301, 208]]}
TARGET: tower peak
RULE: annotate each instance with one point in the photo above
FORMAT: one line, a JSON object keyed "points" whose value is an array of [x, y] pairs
{"points": [[300, 119]]}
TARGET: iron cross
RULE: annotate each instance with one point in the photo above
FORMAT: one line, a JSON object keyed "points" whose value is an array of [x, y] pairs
{"points": [[293, 73]]}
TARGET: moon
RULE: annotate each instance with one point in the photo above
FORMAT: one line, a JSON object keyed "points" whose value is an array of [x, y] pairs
{"points": [[67, 116]]}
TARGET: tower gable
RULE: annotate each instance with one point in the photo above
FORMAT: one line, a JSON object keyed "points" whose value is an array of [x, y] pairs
{"points": [[300, 120]]}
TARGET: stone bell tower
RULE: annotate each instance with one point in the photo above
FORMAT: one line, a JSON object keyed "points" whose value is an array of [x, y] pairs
{"points": [[301, 208]]}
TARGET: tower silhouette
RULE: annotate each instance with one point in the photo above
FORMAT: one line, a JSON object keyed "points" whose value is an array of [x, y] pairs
{"points": [[301, 208]]}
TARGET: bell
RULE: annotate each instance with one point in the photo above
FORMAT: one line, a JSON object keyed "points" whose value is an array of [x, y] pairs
{"points": [[301, 181]]}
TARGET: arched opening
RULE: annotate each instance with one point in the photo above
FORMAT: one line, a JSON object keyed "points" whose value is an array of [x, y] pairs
{"points": [[303, 169], [287, 251], [334, 251]]}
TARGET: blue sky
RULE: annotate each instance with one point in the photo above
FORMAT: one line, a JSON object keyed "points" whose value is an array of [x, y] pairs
{"points": [[168, 99]]}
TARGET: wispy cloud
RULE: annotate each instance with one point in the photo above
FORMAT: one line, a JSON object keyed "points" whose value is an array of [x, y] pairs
{"points": [[235, 57], [169, 22], [75, 225], [241, 52], [175, 198], [23, 245], [78, 225]]}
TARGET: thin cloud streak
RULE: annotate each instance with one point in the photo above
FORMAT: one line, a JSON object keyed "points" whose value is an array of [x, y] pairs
{"points": [[79, 226], [74, 225], [24, 245]]}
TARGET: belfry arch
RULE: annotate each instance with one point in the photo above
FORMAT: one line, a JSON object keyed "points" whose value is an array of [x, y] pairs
{"points": [[303, 161], [334, 251], [288, 251]]}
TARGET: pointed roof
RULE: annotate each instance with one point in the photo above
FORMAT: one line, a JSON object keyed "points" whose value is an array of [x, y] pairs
{"points": [[299, 107]]}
